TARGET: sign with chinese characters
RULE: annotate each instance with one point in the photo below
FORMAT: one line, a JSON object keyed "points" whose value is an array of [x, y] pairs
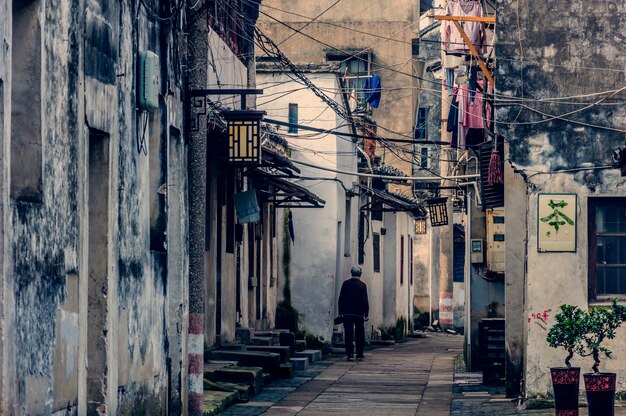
{"points": [[556, 222]]}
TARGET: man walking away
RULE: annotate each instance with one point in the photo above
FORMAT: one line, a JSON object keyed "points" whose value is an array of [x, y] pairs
{"points": [[354, 308]]}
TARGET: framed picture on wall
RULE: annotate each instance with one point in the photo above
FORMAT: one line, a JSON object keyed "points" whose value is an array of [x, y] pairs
{"points": [[557, 222]]}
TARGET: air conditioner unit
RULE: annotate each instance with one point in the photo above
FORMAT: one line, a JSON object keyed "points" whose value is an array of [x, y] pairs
{"points": [[149, 81], [495, 240]]}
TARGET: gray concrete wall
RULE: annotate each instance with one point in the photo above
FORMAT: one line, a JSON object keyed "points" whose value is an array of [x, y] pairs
{"points": [[515, 278], [559, 62], [77, 268]]}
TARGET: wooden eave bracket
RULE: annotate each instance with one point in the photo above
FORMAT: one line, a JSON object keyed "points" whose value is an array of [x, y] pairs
{"points": [[456, 20]]}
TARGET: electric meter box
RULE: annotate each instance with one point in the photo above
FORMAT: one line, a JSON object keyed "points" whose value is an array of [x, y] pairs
{"points": [[149, 80], [495, 240], [476, 251]]}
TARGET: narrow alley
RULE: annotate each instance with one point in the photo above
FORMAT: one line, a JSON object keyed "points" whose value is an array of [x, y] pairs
{"points": [[312, 207]]}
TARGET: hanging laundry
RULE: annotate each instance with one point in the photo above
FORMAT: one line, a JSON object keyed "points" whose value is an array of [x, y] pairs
{"points": [[453, 119], [474, 108], [452, 41], [473, 81], [373, 90]]}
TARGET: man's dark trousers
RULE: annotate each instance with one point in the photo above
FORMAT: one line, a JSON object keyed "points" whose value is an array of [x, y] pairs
{"points": [[354, 325]]}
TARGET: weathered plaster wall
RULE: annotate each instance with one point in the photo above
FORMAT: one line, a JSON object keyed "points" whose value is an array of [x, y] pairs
{"points": [[119, 340], [398, 294], [317, 267], [578, 54], [421, 273], [515, 278]]}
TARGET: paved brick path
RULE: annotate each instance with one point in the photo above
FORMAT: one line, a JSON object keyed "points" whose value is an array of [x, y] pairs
{"points": [[415, 378], [391, 381]]}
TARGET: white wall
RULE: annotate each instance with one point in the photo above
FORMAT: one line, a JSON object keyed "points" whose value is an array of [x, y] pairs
{"points": [[318, 263], [398, 297], [554, 279]]}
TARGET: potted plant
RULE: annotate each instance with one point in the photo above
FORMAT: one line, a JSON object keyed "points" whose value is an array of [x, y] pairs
{"points": [[600, 387], [567, 332]]}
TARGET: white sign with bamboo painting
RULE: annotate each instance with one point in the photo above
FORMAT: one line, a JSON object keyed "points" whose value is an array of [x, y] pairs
{"points": [[557, 222]]}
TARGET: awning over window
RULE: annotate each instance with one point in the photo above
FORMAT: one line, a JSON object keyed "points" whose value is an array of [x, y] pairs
{"points": [[285, 194], [274, 160], [389, 202]]}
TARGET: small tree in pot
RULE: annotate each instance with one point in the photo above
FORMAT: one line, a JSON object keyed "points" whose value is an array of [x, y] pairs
{"points": [[602, 323], [568, 332]]}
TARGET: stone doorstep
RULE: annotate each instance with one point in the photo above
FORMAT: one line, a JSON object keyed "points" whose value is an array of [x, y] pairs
{"points": [[266, 341], [300, 363], [244, 391], [252, 376], [300, 345], [216, 401], [286, 371], [284, 351], [312, 355], [269, 361]]}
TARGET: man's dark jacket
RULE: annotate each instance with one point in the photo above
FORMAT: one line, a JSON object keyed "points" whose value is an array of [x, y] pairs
{"points": [[353, 298]]}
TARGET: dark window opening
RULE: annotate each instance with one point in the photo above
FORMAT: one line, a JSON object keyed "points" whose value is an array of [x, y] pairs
{"points": [[376, 243], [401, 259], [362, 219], [293, 118], [421, 127], [607, 247], [411, 260]]}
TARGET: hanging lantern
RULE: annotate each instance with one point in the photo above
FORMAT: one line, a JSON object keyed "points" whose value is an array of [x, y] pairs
{"points": [[438, 209], [244, 136], [420, 226]]}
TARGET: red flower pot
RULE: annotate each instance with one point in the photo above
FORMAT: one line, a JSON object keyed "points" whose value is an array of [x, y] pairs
{"points": [[565, 382], [600, 388]]}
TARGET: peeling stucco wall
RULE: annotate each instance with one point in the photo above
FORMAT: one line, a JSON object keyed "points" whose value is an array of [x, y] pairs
{"points": [[88, 84], [578, 55]]}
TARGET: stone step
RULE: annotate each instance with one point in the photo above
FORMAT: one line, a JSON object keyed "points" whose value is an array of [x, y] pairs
{"points": [[251, 376], [312, 355], [269, 361], [243, 335], [286, 371], [300, 345], [267, 379], [216, 401], [299, 363], [285, 352], [261, 341], [287, 338], [244, 391], [233, 347]]}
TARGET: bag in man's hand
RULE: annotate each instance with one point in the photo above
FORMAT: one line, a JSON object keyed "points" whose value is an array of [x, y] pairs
{"points": [[339, 320]]}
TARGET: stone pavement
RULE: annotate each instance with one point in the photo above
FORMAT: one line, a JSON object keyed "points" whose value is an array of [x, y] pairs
{"points": [[412, 378], [415, 378]]}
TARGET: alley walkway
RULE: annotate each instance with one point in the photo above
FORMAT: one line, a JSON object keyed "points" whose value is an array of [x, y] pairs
{"points": [[412, 378], [415, 378]]}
